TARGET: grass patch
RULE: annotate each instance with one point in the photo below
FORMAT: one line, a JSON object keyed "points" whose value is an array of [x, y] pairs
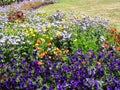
{"points": [[109, 8]]}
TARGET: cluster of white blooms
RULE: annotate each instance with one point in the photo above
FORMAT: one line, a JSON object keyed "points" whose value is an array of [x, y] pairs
{"points": [[12, 39]]}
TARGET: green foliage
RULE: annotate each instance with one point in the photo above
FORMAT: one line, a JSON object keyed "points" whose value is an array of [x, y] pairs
{"points": [[6, 2]]}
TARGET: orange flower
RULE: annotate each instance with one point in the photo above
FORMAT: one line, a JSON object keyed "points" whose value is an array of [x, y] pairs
{"points": [[39, 41], [66, 51], [106, 44], [42, 54], [39, 62], [49, 43], [58, 50], [113, 30], [37, 48], [118, 48], [46, 52], [117, 38], [98, 62]]}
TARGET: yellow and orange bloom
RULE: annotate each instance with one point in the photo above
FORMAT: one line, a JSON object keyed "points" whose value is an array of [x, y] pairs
{"points": [[37, 48], [66, 51], [58, 50], [39, 41], [48, 43], [98, 62], [39, 62], [113, 30], [46, 52], [118, 48], [106, 44], [42, 54], [36, 44]]}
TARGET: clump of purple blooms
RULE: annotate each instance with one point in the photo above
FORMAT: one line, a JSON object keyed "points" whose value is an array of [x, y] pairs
{"points": [[78, 72]]}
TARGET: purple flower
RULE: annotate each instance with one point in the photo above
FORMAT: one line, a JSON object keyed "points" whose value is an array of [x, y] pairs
{"points": [[100, 55], [91, 53], [96, 85], [109, 88], [14, 60], [79, 51], [50, 88], [23, 61]]}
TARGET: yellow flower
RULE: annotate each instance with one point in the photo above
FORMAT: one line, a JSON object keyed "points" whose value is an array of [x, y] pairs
{"points": [[44, 29], [43, 39], [55, 52], [51, 38], [75, 17], [33, 35], [27, 31], [44, 35], [64, 20], [79, 16], [23, 30], [35, 30], [36, 44], [26, 34], [16, 20], [58, 33], [31, 30], [61, 27], [75, 40], [49, 26], [47, 37], [43, 21]]}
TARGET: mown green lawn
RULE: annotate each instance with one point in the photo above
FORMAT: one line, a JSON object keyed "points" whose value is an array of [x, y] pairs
{"points": [[109, 8]]}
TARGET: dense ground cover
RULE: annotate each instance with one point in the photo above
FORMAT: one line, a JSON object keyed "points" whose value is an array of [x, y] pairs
{"points": [[58, 51]]}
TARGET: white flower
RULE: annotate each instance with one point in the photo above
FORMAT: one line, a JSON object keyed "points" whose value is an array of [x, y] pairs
{"points": [[102, 39]]}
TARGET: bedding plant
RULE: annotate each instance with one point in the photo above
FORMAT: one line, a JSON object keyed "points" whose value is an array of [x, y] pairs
{"points": [[58, 52]]}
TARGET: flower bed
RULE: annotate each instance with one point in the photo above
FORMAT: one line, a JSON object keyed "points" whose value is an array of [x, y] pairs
{"points": [[58, 51], [23, 5]]}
